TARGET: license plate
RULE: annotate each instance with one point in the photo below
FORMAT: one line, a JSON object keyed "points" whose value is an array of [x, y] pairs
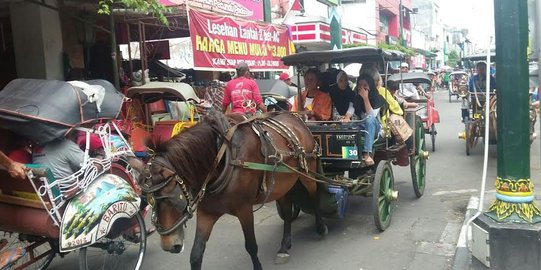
{"points": [[350, 152]]}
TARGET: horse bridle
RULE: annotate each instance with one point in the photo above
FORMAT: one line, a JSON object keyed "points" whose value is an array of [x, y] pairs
{"points": [[186, 197], [182, 199]]}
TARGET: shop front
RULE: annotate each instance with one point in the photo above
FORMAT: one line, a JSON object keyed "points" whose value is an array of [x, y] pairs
{"points": [[315, 36]]}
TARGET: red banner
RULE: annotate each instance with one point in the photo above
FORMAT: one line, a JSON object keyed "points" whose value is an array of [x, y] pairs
{"points": [[220, 42]]}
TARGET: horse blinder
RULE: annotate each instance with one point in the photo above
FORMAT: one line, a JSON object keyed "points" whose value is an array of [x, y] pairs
{"points": [[180, 200]]}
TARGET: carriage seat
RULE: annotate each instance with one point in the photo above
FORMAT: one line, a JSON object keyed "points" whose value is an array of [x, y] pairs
{"points": [[21, 210]]}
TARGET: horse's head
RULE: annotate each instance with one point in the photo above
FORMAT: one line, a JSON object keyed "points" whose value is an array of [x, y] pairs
{"points": [[166, 192], [165, 186]]}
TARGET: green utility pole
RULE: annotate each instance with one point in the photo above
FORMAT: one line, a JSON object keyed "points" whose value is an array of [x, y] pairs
{"points": [[514, 188], [267, 15], [336, 29]]}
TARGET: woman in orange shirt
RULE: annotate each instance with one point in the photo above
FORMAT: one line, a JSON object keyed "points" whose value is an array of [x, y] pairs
{"points": [[317, 102]]}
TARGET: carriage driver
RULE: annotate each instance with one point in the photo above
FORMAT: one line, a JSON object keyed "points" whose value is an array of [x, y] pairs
{"points": [[478, 81], [15, 169], [62, 156], [243, 93]]}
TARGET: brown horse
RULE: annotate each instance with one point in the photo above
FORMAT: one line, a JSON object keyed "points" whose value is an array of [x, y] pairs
{"points": [[173, 180]]}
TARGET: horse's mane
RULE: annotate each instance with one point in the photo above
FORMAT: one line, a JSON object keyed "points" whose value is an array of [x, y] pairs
{"points": [[192, 152]]}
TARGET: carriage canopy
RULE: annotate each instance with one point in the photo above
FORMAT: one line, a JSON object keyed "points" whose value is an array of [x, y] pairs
{"points": [[410, 77], [44, 110], [154, 91], [344, 56]]}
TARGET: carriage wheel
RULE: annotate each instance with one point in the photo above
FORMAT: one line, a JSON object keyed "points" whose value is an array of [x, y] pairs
{"points": [[433, 136], [125, 251], [39, 250], [296, 210], [418, 162], [383, 195]]}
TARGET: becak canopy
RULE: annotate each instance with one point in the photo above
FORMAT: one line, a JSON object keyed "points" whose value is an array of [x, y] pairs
{"points": [[44, 110]]}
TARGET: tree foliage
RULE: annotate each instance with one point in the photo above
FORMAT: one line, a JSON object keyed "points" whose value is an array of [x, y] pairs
{"points": [[453, 58], [150, 6], [385, 46]]}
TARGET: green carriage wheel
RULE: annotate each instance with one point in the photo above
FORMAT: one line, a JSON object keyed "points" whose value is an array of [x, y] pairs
{"points": [[418, 161], [383, 195]]}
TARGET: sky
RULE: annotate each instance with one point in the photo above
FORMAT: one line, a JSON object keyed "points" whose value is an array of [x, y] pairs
{"points": [[475, 15]]}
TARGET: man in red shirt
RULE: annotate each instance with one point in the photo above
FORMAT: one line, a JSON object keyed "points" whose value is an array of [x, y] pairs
{"points": [[243, 93]]}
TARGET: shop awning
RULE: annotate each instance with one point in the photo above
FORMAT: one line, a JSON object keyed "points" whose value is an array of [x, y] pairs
{"points": [[424, 52]]}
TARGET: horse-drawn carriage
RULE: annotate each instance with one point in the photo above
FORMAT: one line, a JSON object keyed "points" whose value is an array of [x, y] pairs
{"points": [[97, 209], [340, 143], [160, 110], [225, 164], [458, 84]]}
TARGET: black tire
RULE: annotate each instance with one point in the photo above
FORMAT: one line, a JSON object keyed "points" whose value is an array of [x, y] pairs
{"points": [[88, 257], [418, 162], [34, 245], [433, 136], [382, 204], [296, 211]]}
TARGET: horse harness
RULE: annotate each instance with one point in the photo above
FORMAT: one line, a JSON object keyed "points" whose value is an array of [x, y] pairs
{"points": [[183, 199]]}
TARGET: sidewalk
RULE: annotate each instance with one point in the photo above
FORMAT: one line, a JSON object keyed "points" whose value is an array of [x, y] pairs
{"points": [[463, 258]]}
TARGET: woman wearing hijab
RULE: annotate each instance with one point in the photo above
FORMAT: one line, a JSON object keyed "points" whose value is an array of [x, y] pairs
{"points": [[342, 98], [367, 103]]}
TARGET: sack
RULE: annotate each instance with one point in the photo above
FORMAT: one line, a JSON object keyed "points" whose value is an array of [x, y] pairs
{"points": [[399, 127]]}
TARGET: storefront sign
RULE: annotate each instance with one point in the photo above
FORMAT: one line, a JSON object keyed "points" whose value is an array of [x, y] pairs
{"points": [[249, 9], [220, 42]]}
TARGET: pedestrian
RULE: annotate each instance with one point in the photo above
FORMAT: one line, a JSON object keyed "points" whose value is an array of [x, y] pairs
{"points": [[287, 79], [242, 93]]}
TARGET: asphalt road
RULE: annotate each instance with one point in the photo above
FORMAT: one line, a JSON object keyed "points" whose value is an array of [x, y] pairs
{"points": [[423, 233]]}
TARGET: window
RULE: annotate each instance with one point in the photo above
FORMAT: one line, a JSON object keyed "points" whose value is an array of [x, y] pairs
{"points": [[383, 24]]}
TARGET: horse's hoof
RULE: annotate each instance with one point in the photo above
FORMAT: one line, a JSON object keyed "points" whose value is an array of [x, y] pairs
{"points": [[323, 230], [281, 258]]}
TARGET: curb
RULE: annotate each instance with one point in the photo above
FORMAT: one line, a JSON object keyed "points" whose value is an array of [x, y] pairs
{"points": [[462, 259]]}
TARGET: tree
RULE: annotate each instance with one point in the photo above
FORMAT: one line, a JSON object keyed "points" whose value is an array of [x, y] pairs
{"points": [[151, 6], [453, 58]]}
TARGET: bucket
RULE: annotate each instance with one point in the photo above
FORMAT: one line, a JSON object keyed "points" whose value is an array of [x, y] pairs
{"points": [[341, 196]]}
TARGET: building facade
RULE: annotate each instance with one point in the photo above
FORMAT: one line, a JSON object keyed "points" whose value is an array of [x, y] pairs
{"points": [[380, 19]]}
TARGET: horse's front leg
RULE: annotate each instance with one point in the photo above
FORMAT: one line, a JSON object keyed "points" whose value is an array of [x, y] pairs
{"points": [[205, 222], [286, 208], [246, 218]]}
